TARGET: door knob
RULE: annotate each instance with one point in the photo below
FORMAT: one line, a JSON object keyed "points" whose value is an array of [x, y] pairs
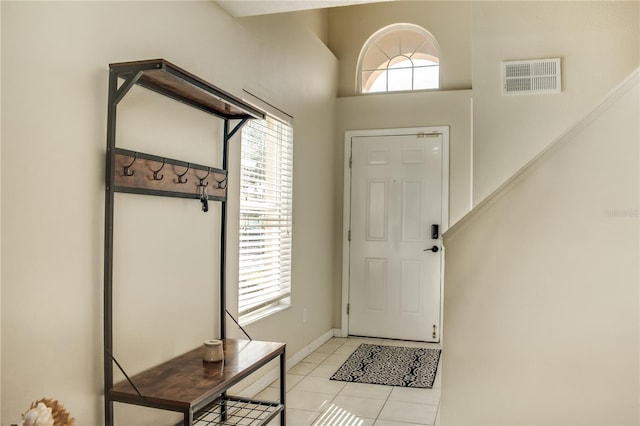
{"points": [[433, 249]]}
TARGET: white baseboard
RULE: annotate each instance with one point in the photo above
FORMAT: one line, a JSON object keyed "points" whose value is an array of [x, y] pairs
{"points": [[263, 382], [337, 332], [302, 354]]}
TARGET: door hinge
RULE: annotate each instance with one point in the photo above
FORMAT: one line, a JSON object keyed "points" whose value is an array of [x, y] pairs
{"points": [[350, 161], [348, 308], [434, 335], [349, 235]]}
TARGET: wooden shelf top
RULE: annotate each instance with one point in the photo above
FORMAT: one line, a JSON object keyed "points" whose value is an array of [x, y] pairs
{"points": [[186, 381], [170, 80]]}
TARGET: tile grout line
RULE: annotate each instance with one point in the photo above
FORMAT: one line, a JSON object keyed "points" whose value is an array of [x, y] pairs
{"points": [[317, 415], [383, 405]]}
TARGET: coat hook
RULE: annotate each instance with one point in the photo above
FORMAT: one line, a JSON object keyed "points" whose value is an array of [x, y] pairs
{"points": [[155, 172], [127, 171], [180, 176], [202, 182], [223, 181]]}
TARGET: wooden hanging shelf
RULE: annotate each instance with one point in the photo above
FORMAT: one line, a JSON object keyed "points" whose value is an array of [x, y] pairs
{"points": [[170, 80]]}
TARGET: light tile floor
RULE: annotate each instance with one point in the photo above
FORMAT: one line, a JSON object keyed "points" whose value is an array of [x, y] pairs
{"points": [[313, 399]]}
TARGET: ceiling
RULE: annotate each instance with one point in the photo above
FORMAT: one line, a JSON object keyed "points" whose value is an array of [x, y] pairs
{"points": [[242, 8]]}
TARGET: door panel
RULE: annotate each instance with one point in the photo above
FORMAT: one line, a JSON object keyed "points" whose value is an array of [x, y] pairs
{"points": [[377, 210], [396, 195], [376, 284]]}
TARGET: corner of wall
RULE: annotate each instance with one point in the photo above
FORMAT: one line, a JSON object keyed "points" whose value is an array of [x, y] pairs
{"points": [[0, 296]]}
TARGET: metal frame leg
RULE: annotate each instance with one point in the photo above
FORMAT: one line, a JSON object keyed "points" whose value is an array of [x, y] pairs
{"points": [[188, 417], [283, 388]]}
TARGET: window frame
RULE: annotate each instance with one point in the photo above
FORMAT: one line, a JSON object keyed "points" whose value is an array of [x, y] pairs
{"points": [[428, 50], [265, 203]]}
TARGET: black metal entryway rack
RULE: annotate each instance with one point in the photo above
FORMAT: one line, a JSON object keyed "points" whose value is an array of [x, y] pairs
{"points": [[149, 174]]}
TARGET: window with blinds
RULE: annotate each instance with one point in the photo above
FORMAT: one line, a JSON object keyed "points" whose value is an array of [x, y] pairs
{"points": [[266, 192]]}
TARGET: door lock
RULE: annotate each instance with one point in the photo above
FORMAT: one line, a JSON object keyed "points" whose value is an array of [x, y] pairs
{"points": [[433, 249], [435, 231]]}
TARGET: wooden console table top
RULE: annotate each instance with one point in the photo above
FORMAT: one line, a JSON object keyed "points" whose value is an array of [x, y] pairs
{"points": [[186, 381]]}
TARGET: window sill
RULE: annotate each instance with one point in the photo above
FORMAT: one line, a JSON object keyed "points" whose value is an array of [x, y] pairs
{"points": [[406, 92], [262, 313]]}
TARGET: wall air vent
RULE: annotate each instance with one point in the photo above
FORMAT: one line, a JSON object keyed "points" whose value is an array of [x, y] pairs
{"points": [[531, 77]]}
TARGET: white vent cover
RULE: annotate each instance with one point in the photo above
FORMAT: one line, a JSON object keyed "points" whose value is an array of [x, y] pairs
{"points": [[531, 77]]}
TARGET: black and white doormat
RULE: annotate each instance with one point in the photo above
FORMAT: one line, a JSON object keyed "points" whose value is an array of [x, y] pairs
{"points": [[390, 365]]}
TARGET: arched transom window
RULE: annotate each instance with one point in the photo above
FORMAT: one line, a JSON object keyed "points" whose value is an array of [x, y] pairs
{"points": [[399, 57]]}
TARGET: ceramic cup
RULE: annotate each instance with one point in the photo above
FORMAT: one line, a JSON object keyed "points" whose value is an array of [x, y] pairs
{"points": [[212, 351]]}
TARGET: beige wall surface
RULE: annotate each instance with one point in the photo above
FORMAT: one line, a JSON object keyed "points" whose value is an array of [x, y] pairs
{"points": [[55, 58], [450, 108], [541, 308], [316, 20], [449, 22], [0, 228], [599, 44]]}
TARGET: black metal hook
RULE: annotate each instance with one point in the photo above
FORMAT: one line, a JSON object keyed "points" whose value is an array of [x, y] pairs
{"points": [[126, 170], [155, 172], [220, 182], [202, 182], [180, 176]]}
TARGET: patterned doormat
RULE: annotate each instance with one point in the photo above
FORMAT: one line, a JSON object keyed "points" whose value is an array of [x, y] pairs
{"points": [[390, 365]]}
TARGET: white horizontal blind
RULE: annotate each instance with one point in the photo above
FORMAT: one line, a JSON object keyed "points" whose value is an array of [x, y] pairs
{"points": [[266, 191]]}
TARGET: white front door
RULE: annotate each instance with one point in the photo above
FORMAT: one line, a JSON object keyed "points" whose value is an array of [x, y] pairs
{"points": [[395, 262]]}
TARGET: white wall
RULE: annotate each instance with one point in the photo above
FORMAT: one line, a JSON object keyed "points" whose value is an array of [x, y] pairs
{"points": [[440, 108], [55, 58], [599, 45], [315, 20], [0, 222], [541, 309], [449, 22]]}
